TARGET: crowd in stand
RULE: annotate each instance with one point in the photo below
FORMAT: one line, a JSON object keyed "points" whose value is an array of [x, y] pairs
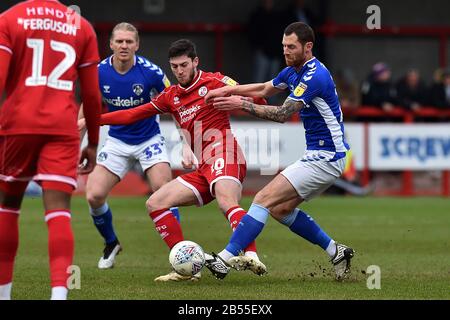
{"points": [[410, 92]]}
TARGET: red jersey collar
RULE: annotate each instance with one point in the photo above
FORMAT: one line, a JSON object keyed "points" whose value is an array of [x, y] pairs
{"points": [[194, 82]]}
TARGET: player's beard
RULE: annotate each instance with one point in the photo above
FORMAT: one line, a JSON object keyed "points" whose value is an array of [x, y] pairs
{"points": [[189, 78], [296, 60]]}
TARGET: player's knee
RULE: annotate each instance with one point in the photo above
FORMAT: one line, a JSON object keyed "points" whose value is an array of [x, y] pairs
{"points": [[280, 211], [262, 198], [156, 185], [153, 204], [95, 199]]}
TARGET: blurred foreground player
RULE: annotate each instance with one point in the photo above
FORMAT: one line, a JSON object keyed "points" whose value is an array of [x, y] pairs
{"points": [[44, 48]]}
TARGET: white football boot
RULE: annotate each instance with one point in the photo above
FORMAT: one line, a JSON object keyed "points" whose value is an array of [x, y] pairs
{"points": [[109, 255], [253, 264], [173, 276]]}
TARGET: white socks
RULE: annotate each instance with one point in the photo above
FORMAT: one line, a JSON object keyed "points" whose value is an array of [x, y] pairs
{"points": [[252, 254], [331, 249], [59, 293], [225, 255], [5, 291]]}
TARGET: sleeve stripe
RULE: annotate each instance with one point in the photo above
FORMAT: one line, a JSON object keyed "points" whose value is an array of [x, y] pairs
{"points": [[302, 100], [6, 49], [87, 64], [156, 107], [281, 85]]}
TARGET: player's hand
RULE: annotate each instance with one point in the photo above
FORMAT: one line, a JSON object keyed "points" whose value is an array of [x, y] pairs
{"points": [[189, 159], [220, 92], [231, 102], [87, 159], [81, 124]]}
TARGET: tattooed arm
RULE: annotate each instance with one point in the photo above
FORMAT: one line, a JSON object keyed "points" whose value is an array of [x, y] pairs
{"points": [[275, 113]]}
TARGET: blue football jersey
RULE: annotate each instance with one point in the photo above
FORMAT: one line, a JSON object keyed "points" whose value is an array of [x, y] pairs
{"points": [[322, 115], [129, 90]]}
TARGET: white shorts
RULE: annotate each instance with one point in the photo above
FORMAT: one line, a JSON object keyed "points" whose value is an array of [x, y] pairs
{"points": [[119, 157], [311, 178]]}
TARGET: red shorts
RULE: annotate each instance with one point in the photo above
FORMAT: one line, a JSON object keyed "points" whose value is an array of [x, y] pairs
{"points": [[201, 181], [48, 159]]}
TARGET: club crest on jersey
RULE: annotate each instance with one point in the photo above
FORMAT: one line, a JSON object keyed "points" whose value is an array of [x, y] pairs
{"points": [[106, 89], [202, 91], [300, 89], [176, 100], [138, 88]]}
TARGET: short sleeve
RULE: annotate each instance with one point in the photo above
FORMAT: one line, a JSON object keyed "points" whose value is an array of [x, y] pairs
{"points": [[222, 80], [280, 81], [161, 103], [160, 81], [90, 53], [306, 91], [5, 37]]}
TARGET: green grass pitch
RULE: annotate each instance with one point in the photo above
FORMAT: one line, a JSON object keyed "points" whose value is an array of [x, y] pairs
{"points": [[409, 239]]}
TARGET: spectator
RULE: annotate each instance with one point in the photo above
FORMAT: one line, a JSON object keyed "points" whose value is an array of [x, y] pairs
{"points": [[440, 89], [411, 91], [265, 27], [378, 90], [347, 89]]}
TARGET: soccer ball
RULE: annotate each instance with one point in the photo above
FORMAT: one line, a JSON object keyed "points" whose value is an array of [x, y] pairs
{"points": [[187, 258]]}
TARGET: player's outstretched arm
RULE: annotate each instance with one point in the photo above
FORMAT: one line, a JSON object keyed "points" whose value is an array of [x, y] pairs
{"points": [[129, 116], [274, 113], [265, 89]]}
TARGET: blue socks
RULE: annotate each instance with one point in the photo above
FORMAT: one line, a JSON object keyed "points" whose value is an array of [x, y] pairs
{"points": [[303, 225], [103, 222], [248, 229]]}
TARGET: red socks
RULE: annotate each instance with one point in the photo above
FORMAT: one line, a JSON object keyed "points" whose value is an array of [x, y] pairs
{"points": [[60, 245], [9, 242], [234, 215], [167, 226]]}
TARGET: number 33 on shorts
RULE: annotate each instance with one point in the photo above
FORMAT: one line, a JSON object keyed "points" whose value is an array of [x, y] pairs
{"points": [[153, 150]]}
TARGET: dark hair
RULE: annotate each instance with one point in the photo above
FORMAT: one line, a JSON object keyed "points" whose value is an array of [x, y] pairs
{"points": [[302, 30], [182, 47]]}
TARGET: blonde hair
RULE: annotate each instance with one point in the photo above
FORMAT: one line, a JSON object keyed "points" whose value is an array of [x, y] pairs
{"points": [[125, 26]]}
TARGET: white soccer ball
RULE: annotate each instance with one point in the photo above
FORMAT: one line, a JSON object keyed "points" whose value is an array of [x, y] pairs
{"points": [[187, 258]]}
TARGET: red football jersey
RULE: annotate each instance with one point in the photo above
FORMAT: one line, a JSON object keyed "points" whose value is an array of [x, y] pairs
{"points": [[208, 128], [48, 46]]}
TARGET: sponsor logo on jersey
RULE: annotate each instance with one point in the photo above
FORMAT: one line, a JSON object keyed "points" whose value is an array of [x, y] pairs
{"points": [[119, 102], [106, 89], [138, 88], [300, 89], [202, 91], [187, 114], [228, 81]]}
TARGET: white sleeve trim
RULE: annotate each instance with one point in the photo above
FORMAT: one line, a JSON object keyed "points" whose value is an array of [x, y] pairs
{"points": [[87, 64], [156, 107], [6, 49]]}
